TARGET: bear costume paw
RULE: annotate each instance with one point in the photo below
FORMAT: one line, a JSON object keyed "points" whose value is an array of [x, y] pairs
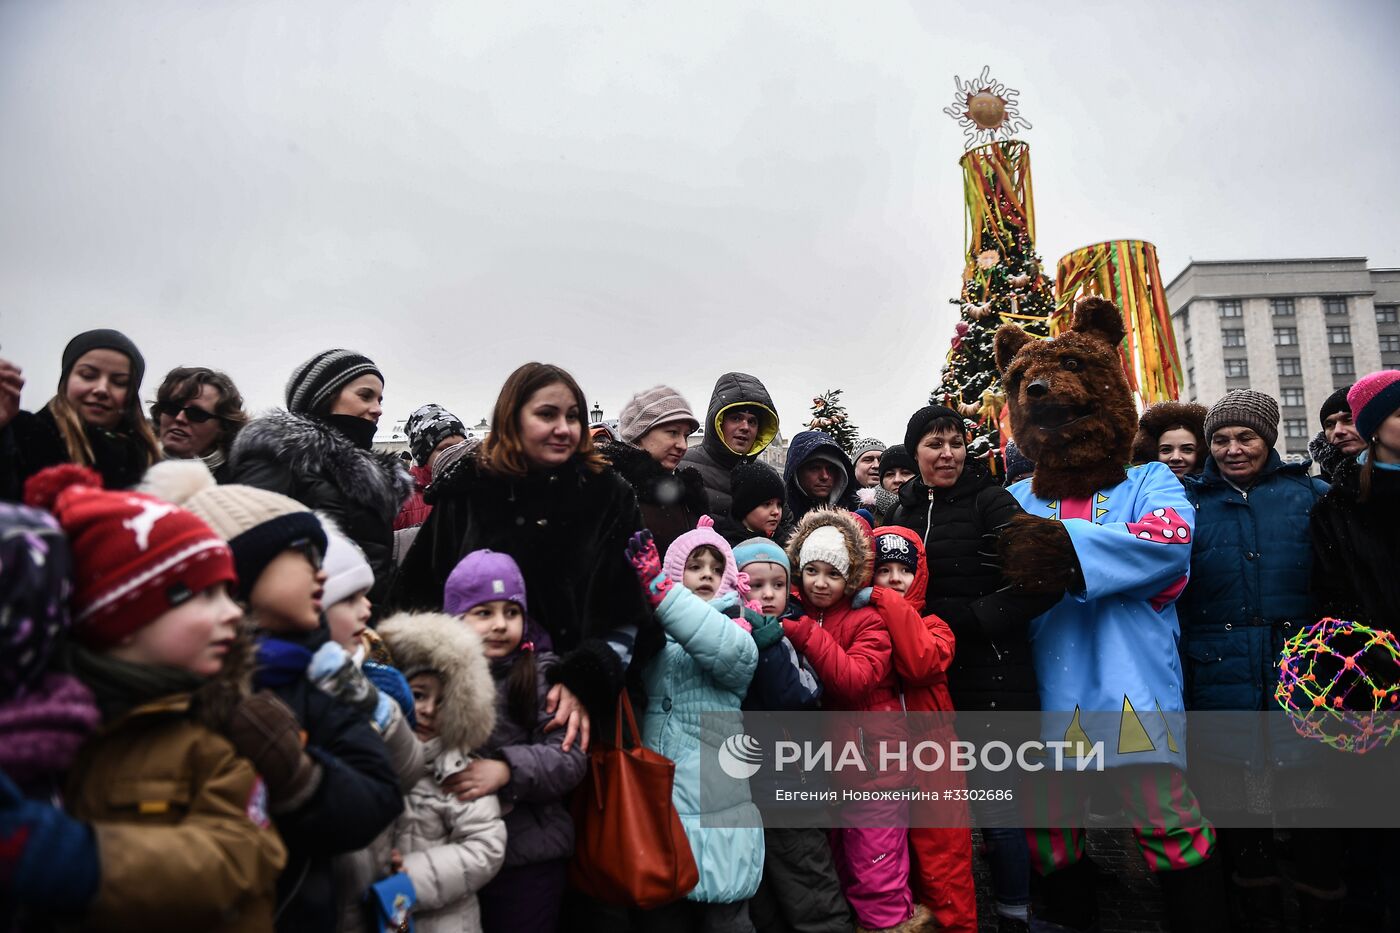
{"points": [[1037, 556]]}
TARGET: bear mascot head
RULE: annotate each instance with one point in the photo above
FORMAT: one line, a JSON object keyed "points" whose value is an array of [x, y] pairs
{"points": [[1072, 413]]}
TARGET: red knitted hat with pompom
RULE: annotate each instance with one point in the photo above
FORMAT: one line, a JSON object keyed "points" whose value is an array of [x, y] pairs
{"points": [[134, 556]]}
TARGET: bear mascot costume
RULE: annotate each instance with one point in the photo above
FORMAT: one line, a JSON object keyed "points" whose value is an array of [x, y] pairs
{"points": [[1116, 541]]}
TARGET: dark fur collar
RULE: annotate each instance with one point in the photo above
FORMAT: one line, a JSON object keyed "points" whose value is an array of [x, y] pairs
{"points": [[650, 479], [310, 448]]}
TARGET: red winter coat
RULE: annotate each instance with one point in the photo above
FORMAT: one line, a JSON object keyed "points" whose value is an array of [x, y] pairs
{"points": [[415, 511], [849, 649], [923, 647]]}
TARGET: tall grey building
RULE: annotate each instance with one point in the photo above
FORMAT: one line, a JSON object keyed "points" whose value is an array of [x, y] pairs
{"points": [[1295, 329]]}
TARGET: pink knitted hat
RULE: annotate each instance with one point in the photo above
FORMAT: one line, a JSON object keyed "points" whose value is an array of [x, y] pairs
{"points": [[1372, 400], [674, 564]]}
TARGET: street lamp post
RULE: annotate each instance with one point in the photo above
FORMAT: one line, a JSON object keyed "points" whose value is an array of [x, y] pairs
{"points": [[596, 413]]}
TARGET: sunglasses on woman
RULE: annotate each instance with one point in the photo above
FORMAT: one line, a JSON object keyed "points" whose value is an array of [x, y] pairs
{"points": [[193, 414]]}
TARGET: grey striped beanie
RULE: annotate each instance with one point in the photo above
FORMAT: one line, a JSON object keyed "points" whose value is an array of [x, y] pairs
{"points": [[318, 379]]}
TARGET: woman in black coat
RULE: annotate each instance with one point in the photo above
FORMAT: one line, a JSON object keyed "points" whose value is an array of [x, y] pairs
{"points": [[94, 420], [655, 427], [319, 452], [539, 492], [957, 507]]}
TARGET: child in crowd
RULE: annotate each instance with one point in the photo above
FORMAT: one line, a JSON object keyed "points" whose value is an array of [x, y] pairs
{"points": [[342, 791], [348, 611], [449, 848], [897, 467], [757, 504], [169, 827], [521, 763], [850, 650], [923, 650], [796, 892], [705, 667]]}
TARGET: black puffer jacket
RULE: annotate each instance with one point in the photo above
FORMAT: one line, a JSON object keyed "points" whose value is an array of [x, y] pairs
{"points": [[992, 667], [31, 442], [319, 467], [1356, 549], [671, 501], [713, 458], [358, 798], [568, 529]]}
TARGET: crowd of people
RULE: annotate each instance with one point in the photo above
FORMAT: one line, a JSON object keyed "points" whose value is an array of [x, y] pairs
{"points": [[256, 675]]}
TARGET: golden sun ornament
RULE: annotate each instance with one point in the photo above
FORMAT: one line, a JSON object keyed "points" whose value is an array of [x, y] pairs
{"points": [[985, 109]]}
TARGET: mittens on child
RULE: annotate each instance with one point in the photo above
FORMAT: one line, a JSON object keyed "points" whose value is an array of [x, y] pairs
{"points": [[334, 671], [267, 733], [767, 631], [646, 563]]}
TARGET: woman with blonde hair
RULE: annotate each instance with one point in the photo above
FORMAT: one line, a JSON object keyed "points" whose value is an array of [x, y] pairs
{"points": [[94, 420]]}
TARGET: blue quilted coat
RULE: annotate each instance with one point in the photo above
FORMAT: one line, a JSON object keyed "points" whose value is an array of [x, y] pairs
{"points": [[1250, 564], [705, 667]]}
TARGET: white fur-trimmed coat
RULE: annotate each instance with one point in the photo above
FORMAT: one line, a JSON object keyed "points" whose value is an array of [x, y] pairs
{"points": [[450, 849]]}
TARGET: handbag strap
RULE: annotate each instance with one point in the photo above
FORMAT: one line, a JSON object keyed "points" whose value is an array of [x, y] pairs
{"points": [[624, 705]]}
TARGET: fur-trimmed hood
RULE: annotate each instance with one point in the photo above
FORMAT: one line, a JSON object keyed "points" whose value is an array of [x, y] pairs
{"points": [[653, 483], [447, 645], [1164, 416], [857, 544], [313, 448]]}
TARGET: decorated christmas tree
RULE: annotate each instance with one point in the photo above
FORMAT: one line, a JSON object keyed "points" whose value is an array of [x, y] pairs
{"points": [[829, 415], [1002, 280]]}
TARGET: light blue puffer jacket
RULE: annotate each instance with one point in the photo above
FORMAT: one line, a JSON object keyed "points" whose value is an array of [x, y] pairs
{"points": [[705, 667]]}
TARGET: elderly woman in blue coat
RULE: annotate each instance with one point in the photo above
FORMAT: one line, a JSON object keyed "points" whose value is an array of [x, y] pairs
{"points": [[1248, 593]]}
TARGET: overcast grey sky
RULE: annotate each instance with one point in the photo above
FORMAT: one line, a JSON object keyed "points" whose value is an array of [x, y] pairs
{"points": [[640, 192]]}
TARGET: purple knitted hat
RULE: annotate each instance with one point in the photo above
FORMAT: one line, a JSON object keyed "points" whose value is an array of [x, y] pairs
{"points": [[674, 564], [480, 577], [36, 582]]}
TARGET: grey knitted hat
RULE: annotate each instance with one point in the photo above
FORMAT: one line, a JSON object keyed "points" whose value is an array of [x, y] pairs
{"points": [[322, 376], [651, 407], [1245, 408], [864, 444]]}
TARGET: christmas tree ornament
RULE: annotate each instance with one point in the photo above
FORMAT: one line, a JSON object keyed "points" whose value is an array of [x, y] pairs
{"points": [[985, 108], [1339, 683]]}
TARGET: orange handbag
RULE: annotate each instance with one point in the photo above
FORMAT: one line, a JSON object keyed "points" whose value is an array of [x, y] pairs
{"points": [[630, 847]]}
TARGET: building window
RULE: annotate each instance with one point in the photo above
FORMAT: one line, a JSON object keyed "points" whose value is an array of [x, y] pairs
{"points": [[1343, 366], [1290, 366], [1339, 333], [1188, 348], [1292, 396], [1191, 377], [1285, 336], [1295, 427], [1240, 368], [1337, 305], [1390, 343], [1387, 314], [1232, 336], [1281, 307], [1230, 307]]}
